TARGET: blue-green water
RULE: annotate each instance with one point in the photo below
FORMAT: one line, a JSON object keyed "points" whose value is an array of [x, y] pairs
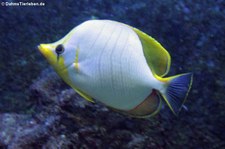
{"points": [[36, 107]]}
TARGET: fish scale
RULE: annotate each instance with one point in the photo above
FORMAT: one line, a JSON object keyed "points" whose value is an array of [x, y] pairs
{"points": [[121, 61], [104, 63]]}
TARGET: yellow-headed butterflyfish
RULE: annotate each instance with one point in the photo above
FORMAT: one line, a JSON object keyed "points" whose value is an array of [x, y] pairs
{"points": [[119, 66]]}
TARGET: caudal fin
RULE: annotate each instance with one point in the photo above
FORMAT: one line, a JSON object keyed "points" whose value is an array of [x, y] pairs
{"points": [[177, 91]]}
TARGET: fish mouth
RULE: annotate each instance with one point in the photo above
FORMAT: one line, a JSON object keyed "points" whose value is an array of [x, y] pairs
{"points": [[44, 49], [40, 48]]}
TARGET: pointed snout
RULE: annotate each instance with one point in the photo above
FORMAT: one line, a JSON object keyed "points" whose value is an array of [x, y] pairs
{"points": [[46, 50]]}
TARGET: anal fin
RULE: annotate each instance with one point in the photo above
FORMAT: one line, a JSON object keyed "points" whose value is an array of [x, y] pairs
{"points": [[85, 96]]}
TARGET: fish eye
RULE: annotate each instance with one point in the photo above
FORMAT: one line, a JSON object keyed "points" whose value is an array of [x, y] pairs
{"points": [[59, 49]]}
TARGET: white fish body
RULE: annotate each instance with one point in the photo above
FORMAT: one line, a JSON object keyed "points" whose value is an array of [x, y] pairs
{"points": [[112, 66]]}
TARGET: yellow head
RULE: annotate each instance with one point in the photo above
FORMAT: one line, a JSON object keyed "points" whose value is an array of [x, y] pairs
{"points": [[54, 55], [61, 55]]}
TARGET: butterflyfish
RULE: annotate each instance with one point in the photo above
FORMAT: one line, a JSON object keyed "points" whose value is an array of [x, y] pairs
{"points": [[119, 66]]}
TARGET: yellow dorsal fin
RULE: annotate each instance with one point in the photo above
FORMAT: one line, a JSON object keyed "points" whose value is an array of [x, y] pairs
{"points": [[85, 96], [157, 57]]}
